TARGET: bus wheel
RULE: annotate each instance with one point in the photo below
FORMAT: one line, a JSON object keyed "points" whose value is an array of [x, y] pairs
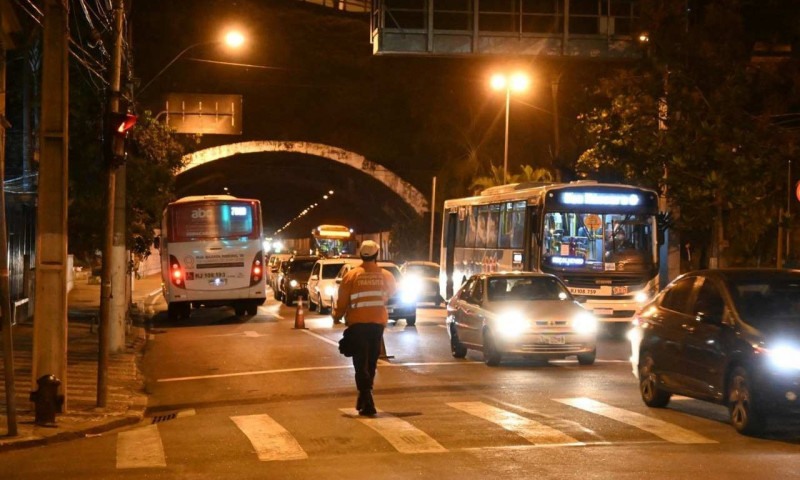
{"points": [[239, 309], [252, 308], [185, 310], [172, 312]]}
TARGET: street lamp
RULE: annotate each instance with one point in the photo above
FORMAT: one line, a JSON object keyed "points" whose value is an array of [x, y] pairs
{"points": [[516, 82], [232, 39]]}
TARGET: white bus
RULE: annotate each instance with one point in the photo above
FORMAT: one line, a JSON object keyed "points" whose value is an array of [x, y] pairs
{"points": [[212, 254], [600, 239]]}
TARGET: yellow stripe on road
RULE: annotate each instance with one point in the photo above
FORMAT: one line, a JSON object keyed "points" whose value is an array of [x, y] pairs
{"points": [[140, 448], [271, 441], [403, 436], [526, 428], [667, 431]]}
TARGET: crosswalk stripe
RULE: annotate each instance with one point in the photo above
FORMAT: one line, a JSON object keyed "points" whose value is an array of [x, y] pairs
{"points": [[140, 448], [403, 436], [271, 441], [667, 431], [526, 428]]}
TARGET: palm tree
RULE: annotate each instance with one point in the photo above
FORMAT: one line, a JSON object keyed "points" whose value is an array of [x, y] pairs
{"points": [[495, 178]]}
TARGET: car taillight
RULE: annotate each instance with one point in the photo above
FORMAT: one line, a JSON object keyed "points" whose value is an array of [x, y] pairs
{"points": [[256, 269], [176, 272]]}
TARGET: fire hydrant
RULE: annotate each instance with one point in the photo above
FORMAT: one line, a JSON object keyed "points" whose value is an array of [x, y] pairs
{"points": [[47, 400]]}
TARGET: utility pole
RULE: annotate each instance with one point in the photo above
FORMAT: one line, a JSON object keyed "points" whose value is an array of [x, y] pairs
{"points": [[5, 294], [50, 324], [433, 215], [106, 292]]}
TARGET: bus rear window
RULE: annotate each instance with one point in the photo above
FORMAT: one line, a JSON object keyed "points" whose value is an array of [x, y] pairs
{"points": [[195, 221]]}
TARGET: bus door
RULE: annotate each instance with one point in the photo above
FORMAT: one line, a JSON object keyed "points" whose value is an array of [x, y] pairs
{"points": [[450, 246], [532, 249]]}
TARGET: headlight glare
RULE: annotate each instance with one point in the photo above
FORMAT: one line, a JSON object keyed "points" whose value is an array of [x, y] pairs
{"points": [[330, 290], [784, 357], [293, 283], [641, 297], [584, 322], [511, 324]]}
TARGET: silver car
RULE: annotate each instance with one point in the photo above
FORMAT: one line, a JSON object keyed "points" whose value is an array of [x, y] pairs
{"points": [[529, 314]]}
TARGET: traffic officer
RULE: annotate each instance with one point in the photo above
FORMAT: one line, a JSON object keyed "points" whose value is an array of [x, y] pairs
{"points": [[363, 294]]}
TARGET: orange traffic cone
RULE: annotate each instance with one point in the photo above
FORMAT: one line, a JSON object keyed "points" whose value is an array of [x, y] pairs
{"points": [[383, 355], [299, 315]]}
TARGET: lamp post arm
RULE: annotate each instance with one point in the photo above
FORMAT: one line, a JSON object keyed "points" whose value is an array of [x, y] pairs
{"points": [[178, 56]]}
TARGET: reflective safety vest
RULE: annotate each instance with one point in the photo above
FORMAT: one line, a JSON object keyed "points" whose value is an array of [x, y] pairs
{"points": [[363, 294]]}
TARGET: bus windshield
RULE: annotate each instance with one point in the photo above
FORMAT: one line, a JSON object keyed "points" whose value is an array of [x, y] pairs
{"points": [[592, 242], [213, 220]]}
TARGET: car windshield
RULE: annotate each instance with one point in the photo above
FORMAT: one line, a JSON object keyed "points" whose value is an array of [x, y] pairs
{"points": [[503, 289], [303, 266], [330, 270], [422, 270], [760, 301], [393, 270]]}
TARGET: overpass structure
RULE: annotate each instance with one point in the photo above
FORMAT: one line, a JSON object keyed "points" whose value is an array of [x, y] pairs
{"points": [[566, 28]]}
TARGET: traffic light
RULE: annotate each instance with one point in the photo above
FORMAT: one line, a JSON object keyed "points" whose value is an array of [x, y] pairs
{"points": [[119, 124]]}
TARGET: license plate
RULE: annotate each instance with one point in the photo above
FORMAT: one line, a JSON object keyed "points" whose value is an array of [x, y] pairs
{"points": [[583, 291], [553, 339]]}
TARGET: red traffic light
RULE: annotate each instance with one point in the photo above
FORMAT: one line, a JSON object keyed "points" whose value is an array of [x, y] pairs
{"points": [[124, 122]]}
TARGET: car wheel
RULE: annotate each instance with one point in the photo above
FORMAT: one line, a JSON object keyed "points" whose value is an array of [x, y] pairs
{"points": [[491, 356], [587, 358], [411, 321], [742, 406], [456, 347], [652, 394], [311, 305]]}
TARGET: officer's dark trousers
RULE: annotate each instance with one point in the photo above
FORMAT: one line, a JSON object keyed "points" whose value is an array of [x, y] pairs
{"points": [[367, 337]]}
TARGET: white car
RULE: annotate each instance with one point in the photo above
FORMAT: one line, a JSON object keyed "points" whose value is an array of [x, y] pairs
{"points": [[403, 304], [424, 278], [322, 285]]}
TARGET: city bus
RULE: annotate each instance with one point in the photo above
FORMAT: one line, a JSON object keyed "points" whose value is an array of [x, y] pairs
{"points": [[212, 254], [333, 241], [600, 239]]}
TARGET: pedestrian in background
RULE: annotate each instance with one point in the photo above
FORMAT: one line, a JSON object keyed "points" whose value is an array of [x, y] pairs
{"points": [[363, 294]]}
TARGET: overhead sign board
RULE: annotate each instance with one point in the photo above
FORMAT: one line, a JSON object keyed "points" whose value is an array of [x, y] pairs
{"points": [[203, 113]]}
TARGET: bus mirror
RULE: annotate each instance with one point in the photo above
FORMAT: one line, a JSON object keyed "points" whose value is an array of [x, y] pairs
{"points": [[157, 242]]}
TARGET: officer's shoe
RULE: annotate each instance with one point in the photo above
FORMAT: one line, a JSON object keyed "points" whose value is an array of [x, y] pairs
{"points": [[361, 401], [368, 407]]}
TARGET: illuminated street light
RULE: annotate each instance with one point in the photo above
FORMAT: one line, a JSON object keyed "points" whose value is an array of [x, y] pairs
{"points": [[517, 82], [232, 39], [330, 192]]}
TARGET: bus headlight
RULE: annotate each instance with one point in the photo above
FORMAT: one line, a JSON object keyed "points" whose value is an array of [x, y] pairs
{"points": [[512, 324], [584, 322]]}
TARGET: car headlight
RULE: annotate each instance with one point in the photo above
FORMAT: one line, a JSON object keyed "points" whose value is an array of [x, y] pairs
{"points": [[293, 283], [784, 357], [330, 290], [641, 296], [410, 287], [584, 322], [512, 324]]}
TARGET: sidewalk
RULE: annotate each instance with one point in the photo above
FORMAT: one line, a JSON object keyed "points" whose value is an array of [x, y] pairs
{"points": [[126, 398]]}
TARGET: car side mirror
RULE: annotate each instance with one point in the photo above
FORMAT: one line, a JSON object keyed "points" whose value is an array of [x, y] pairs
{"points": [[339, 280], [315, 277]]}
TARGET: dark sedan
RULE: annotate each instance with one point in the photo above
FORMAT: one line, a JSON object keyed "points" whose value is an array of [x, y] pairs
{"points": [[729, 336], [294, 283]]}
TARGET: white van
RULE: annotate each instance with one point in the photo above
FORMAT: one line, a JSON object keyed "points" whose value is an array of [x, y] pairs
{"points": [[322, 286]]}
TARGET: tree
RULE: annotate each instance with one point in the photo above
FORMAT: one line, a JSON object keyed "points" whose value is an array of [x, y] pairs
{"points": [[495, 178], [715, 151]]}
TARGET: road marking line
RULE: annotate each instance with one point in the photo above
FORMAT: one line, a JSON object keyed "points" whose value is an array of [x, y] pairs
{"points": [[530, 430], [271, 441], [403, 436], [140, 448], [554, 419], [326, 340], [668, 431], [309, 369]]}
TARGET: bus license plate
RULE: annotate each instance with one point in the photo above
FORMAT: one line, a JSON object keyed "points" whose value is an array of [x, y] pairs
{"points": [[623, 290], [553, 339]]}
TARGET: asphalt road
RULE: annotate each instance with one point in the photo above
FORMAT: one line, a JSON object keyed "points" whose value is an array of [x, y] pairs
{"points": [[234, 397]]}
